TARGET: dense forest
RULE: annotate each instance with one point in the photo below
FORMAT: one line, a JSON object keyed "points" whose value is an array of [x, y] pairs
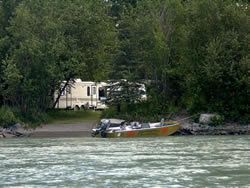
{"points": [[193, 55]]}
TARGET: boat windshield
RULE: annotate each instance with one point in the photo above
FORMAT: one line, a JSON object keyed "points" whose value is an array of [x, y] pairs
{"points": [[112, 122]]}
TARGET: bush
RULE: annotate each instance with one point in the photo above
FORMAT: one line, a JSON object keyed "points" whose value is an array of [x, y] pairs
{"points": [[146, 111], [7, 117], [245, 120], [34, 118], [109, 113], [217, 120]]}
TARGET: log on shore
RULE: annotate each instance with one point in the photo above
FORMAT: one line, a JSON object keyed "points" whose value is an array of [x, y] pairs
{"points": [[14, 131]]}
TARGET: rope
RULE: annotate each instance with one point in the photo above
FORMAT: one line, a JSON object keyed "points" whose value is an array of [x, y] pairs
{"points": [[188, 117]]}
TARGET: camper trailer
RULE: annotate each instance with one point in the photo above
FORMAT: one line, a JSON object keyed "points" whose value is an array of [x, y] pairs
{"points": [[83, 95]]}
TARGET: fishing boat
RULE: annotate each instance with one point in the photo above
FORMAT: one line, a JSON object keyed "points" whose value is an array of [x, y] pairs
{"points": [[116, 128]]}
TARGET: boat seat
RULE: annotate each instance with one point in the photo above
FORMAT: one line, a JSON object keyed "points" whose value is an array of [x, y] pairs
{"points": [[145, 125], [135, 125]]}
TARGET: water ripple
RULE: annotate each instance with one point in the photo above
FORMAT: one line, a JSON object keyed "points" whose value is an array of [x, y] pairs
{"points": [[147, 162]]}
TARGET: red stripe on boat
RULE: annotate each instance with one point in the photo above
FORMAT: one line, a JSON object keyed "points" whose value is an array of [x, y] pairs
{"points": [[131, 134], [164, 130]]}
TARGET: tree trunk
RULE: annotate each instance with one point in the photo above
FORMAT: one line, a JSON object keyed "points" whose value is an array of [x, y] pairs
{"points": [[118, 107], [60, 92]]}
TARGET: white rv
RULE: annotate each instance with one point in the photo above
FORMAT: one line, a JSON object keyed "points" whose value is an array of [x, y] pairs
{"points": [[83, 94]]}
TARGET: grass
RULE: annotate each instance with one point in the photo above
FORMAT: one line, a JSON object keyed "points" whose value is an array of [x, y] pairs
{"points": [[68, 116]]}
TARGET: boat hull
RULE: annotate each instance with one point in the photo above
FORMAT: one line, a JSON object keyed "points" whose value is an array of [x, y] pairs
{"points": [[148, 132]]}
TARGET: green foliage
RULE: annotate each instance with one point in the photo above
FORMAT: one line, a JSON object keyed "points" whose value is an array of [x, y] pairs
{"points": [[64, 117], [7, 117], [52, 41], [124, 91], [58, 41], [146, 111], [217, 120], [193, 55], [110, 113], [217, 45], [150, 36], [33, 118], [10, 116]]}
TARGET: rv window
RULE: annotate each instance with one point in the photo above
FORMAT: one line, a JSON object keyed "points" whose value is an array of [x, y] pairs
{"points": [[93, 90], [88, 91], [101, 93]]}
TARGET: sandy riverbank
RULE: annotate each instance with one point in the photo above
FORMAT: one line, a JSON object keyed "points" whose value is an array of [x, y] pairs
{"points": [[64, 130]]}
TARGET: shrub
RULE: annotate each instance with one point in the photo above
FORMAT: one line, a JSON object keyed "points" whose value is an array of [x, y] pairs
{"points": [[7, 117], [109, 113], [34, 118], [217, 120], [147, 111]]}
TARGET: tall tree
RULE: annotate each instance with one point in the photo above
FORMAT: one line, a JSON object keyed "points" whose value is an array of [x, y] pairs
{"points": [[7, 9], [217, 55], [151, 36], [56, 41]]}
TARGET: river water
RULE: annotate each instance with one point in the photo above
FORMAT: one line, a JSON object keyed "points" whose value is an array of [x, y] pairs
{"points": [[148, 162]]}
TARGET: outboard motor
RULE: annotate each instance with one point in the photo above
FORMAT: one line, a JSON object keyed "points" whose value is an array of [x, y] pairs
{"points": [[102, 129], [94, 132]]}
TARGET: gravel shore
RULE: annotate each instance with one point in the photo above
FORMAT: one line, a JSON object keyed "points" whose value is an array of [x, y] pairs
{"points": [[191, 128]]}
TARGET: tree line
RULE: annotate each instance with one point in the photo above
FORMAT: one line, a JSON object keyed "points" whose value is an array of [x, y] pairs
{"points": [[192, 54]]}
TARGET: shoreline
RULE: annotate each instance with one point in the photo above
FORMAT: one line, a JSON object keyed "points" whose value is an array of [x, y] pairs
{"points": [[83, 129], [196, 129]]}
